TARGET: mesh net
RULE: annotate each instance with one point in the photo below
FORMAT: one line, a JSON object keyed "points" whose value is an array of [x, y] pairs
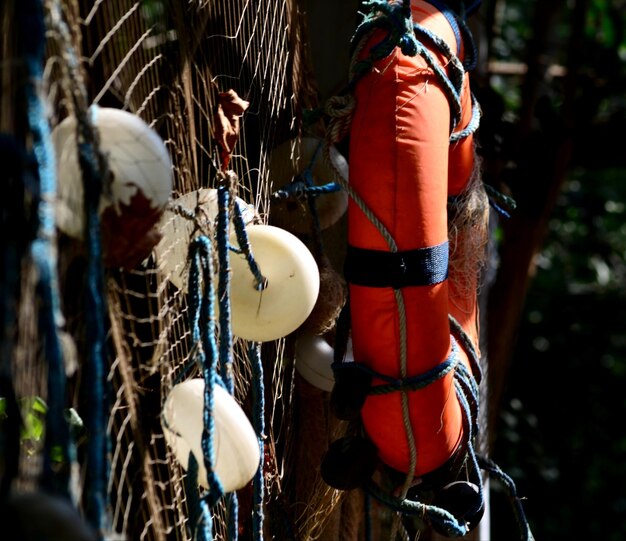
{"points": [[169, 63]]}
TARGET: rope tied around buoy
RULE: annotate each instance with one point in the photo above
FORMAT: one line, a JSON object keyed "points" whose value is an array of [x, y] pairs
{"points": [[215, 361], [384, 15]]}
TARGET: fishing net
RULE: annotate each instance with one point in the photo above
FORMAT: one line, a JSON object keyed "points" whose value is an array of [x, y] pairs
{"points": [[179, 66]]}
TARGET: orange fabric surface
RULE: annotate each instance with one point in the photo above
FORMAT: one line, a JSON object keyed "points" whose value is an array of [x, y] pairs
{"points": [[403, 167]]}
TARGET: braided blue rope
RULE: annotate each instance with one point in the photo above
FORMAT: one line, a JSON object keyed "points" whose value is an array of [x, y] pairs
{"points": [[226, 354], [246, 250], [258, 389], [201, 295], [467, 392], [203, 333], [412, 383], [96, 420], [226, 337], [494, 470], [300, 188], [258, 421], [395, 18], [57, 438], [200, 517]]}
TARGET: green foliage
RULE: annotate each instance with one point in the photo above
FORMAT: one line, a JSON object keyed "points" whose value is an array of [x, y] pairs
{"points": [[33, 411], [561, 434]]}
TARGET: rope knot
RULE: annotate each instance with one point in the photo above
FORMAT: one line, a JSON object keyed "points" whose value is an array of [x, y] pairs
{"points": [[408, 44], [340, 110]]}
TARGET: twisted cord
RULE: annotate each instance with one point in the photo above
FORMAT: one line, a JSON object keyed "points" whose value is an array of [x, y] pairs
{"points": [[407, 507], [391, 243], [200, 517], [226, 338], [498, 200], [410, 383], [466, 342], [96, 180], [494, 470], [246, 250], [300, 189], [404, 399], [258, 419], [31, 21], [201, 295], [452, 81]]}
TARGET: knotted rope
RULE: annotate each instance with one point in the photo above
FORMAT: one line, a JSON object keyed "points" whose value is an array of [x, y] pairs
{"points": [[210, 357]]}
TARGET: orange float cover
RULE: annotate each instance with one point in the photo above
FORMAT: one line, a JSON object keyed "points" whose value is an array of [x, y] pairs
{"points": [[403, 167]]}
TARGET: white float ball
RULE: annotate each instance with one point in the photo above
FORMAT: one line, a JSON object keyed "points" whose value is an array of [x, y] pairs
{"points": [[314, 357], [292, 285], [177, 231], [237, 452], [292, 158], [137, 158]]}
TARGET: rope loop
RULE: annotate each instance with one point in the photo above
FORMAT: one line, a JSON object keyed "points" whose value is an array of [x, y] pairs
{"points": [[339, 109]]}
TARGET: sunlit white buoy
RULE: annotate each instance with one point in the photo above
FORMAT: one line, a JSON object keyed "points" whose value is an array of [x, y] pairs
{"points": [[176, 231], [291, 159], [141, 182], [292, 284], [237, 452]]}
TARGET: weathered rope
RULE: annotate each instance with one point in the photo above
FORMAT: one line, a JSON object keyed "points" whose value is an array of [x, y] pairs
{"points": [[403, 34], [95, 177], [55, 476], [207, 353], [258, 421], [226, 337], [201, 310], [494, 470]]}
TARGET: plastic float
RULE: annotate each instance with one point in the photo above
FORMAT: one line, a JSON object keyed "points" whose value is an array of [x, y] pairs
{"points": [[191, 213], [139, 188], [277, 306], [237, 454], [292, 178]]}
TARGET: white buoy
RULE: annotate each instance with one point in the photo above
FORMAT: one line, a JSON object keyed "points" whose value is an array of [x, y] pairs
{"points": [[138, 160], [237, 452], [176, 231], [314, 357], [290, 159], [292, 285]]}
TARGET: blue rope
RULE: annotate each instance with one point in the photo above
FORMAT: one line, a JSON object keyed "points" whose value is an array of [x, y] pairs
{"points": [[201, 295], [395, 17], [258, 420], [412, 383], [226, 354], [96, 419], [299, 188], [94, 171], [495, 471], [57, 440], [467, 392], [205, 354], [200, 517], [246, 250], [226, 338]]}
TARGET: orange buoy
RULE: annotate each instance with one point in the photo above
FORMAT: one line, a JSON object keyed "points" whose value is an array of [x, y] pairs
{"points": [[403, 168]]}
